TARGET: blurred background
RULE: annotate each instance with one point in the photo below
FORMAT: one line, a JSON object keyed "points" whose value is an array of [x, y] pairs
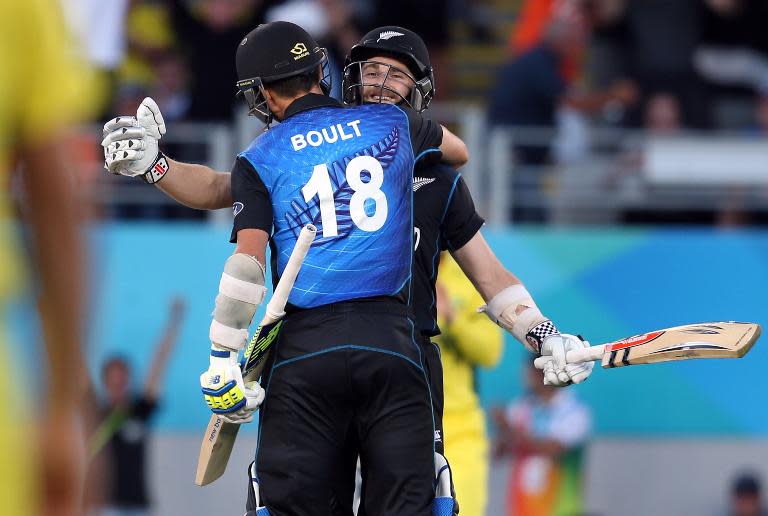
{"points": [[619, 153]]}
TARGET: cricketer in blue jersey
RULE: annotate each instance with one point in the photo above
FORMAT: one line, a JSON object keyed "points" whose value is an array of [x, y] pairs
{"points": [[348, 172], [346, 376]]}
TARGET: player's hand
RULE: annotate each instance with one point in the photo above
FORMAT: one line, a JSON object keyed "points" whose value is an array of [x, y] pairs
{"points": [[557, 371], [131, 143], [224, 390]]}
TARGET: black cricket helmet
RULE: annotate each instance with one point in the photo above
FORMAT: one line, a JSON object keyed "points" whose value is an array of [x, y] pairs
{"points": [[398, 43], [272, 52]]}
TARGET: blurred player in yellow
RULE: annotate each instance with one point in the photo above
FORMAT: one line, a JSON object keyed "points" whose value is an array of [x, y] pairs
{"points": [[467, 342], [40, 93]]}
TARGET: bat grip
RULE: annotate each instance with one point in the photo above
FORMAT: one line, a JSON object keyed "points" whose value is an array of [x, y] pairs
{"points": [[575, 356], [589, 354]]}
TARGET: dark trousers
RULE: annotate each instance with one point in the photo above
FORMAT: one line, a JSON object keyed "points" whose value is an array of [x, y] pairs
{"points": [[434, 369], [346, 380]]}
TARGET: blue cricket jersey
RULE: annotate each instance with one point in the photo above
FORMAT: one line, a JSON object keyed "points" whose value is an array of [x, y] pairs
{"points": [[348, 172]]}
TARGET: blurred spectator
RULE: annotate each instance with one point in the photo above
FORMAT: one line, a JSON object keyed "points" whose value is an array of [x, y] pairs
{"points": [[149, 33], [653, 42], [467, 342], [45, 91], [123, 431], [533, 22], [746, 496], [662, 116], [531, 89], [170, 88], [761, 115], [330, 22], [530, 25], [430, 19], [546, 432], [209, 32]]}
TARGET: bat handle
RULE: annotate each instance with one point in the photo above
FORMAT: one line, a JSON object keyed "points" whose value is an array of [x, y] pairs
{"points": [[576, 356], [590, 354]]}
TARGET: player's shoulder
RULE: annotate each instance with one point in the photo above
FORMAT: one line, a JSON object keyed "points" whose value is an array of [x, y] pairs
{"points": [[435, 181], [439, 171]]}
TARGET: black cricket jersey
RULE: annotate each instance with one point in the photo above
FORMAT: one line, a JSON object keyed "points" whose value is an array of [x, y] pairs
{"points": [[444, 219]]}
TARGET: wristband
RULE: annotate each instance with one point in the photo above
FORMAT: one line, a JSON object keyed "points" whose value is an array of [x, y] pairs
{"points": [[157, 171]]}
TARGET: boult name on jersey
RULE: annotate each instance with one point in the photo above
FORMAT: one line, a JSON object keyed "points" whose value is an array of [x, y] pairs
{"points": [[330, 134]]}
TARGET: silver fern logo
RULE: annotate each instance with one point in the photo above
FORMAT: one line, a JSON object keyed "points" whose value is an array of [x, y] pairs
{"points": [[389, 34], [418, 182]]}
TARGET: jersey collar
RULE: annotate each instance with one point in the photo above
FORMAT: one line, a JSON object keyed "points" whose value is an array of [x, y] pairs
{"points": [[310, 101]]}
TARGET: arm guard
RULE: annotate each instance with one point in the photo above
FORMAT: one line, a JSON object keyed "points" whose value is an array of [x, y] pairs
{"points": [[241, 291], [514, 310]]}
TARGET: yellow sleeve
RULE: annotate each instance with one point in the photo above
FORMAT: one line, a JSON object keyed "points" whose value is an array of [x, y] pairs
{"points": [[477, 339], [53, 80]]}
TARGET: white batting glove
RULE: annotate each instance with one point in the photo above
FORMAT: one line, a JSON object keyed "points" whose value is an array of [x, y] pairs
{"points": [[224, 390], [557, 371], [131, 144]]}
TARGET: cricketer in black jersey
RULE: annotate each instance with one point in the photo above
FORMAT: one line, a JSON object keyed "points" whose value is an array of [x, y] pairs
{"points": [[444, 219]]}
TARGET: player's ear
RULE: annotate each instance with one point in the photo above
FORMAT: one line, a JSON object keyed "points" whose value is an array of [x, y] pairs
{"points": [[270, 98]]}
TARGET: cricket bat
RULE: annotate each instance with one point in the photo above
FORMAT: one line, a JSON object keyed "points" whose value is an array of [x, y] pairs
{"points": [[220, 436], [704, 340]]}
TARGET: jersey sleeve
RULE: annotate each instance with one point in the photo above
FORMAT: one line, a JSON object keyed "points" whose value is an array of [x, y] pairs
{"points": [[425, 134], [461, 221], [252, 205], [143, 408]]}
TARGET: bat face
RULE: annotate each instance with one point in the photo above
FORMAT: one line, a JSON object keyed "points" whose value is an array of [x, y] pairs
{"points": [[704, 340]]}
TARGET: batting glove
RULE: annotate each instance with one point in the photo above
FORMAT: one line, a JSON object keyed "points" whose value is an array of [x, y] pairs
{"points": [[224, 390], [557, 371], [131, 144]]}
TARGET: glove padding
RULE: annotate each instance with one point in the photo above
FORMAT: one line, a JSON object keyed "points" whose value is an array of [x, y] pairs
{"points": [[226, 394], [131, 142], [557, 371]]}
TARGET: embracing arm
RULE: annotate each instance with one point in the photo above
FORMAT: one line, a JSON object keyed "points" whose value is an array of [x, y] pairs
{"points": [[131, 148], [197, 186], [454, 149], [483, 268], [511, 306]]}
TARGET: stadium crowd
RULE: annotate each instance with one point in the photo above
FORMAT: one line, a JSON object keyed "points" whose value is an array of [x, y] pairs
{"points": [[661, 66]]}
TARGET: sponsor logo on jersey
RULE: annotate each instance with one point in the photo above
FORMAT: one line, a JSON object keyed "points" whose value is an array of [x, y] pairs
{"points": [[237, 208], [389, 34], [418, 182]]}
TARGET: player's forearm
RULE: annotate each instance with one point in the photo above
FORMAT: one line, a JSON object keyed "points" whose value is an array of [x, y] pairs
{"points": [[454, 150], [54, 222], [483, 268], [197, 186], [152, 385]]}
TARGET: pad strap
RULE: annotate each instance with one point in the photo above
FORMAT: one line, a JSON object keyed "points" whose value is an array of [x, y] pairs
{"points": [[226, 337], [241, 290]]}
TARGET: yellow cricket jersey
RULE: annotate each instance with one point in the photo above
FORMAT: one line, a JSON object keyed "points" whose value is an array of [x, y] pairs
{"points": [[468, 342], [40, 88]]}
